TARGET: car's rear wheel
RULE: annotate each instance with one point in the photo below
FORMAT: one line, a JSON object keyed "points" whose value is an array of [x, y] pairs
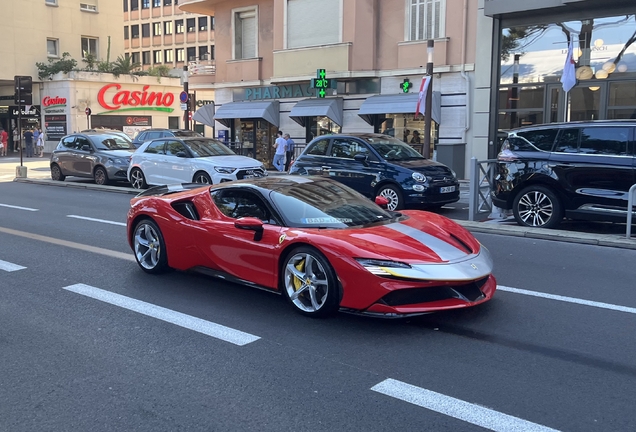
{"points": [[150, 247], [393, 196], [56, 173], [538, 206], [310, 283], [100, 176], [202, 177], [137, 179]]}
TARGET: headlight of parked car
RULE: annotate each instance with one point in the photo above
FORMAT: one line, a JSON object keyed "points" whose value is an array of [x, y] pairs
{"points": [[224, 170], [377, 267], [419, 177], [119, 161]]}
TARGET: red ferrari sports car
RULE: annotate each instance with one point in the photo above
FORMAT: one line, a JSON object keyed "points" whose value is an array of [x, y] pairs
{"points": [[319, 243]]}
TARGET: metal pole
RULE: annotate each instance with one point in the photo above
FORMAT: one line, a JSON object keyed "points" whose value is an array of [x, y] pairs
{"points": [[185, 89], [20, 138], [429, 101], [474, 188]]}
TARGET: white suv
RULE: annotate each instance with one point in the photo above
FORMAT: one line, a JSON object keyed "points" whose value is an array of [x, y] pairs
{"points": [[189, 160]]}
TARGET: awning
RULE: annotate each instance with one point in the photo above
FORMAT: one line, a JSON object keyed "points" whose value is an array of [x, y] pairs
{"points": [[266, 110], [328, 107], [205, 115], [397, 104]]}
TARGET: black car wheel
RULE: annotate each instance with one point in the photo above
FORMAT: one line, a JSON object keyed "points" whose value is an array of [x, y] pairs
{"points": [[150, 247], [100, 176], [537, 206], [393, 196], [137, 179], [202, 177], [56, 173], [310, 283]]}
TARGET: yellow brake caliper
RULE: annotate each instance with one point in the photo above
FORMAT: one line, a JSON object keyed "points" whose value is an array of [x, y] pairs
{"points": [[298, 282]]}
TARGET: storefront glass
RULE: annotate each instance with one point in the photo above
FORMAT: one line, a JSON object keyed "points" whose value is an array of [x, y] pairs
{"points": [[255, 138], [318, 126], [406, 128]]}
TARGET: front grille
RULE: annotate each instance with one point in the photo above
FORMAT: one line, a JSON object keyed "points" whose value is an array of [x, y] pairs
{"points": [[470, 292], [249, 173]]}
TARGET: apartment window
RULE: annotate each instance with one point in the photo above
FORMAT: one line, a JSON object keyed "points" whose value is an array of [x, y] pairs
{"points": [[169, 56], [180, 54], [52, 47], [145, 30], [179, 25], [426, 19], [134, 5], [157, 56], [245, 33], [203, 53], [126, 33], [125, 5], [134, 31], [192, 53], [135, 57], [324, 27], [156, 3], [203, 23], [212, 23], [167, 2], [145, 57], [89, 46], [212, 52], [167, 27], [190, 24], [145, 4], [88, 7], [156, 29], [51, 2]]}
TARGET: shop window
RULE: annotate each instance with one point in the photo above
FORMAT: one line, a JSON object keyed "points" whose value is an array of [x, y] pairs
{"points": [[157, 56], [245, 33], [169, 56], [203, 23], [179, 26], [191, 25], [167, 27], [156, 29], [318, 126], [145, 57], [426, 19], [126, 32], [180, 52], [89, 46], [52, 47], [324, 27], [145, 30], [622, 100], [134, 5]]}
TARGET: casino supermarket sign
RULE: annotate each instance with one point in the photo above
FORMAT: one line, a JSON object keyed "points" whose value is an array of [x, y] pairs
{"points": [[114, 99]]}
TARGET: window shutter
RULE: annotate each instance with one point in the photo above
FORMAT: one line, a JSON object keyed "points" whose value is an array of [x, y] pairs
{"points": [[313, 22]]}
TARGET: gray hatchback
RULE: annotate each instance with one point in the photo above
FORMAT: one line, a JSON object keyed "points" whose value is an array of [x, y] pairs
{"points": [[101, 156]]}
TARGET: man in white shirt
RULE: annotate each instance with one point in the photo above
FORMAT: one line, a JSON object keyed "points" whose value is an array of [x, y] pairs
{"points": [[281, 148]]}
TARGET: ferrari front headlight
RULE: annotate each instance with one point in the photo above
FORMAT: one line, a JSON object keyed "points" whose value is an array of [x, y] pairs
{"points": [[381, 267]]}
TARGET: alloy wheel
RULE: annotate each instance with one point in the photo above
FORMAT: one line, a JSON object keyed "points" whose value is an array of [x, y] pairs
{"points": [[137, 179], [147, 246], [100, 176], [306, 282], [535, 209], [202, 178]]}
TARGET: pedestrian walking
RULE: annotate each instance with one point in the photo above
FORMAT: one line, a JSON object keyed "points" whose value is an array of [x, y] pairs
{"points": [[281, 147], [28, 142], [16, 139], [4, 142], [36, 134], [289, 155], [39, 144]]}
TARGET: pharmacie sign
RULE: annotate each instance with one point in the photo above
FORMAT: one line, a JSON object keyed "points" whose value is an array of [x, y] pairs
{"points": [[275, 92], [112, 98]]}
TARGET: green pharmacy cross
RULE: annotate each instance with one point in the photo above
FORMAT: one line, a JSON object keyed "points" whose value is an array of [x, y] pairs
{"points": [[321, 83], [406, 85]]}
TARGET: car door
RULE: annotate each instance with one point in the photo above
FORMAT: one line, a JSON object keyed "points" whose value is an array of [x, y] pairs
{"points": [[243, 253], [64, 154], [177, 165], [150, 161], [597, 171], [315, 161], [83, 157], [358, 174]]}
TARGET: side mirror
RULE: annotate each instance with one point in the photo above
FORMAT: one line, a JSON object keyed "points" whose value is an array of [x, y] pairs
{"points": [[251, 224], [361, 157], [181, 154], [382, 202]]}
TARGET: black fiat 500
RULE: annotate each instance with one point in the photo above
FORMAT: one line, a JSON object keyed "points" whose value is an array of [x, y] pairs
{"points": [[578, 170], [380, 165]]}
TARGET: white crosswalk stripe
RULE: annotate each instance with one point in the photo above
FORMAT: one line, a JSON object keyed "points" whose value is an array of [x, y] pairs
{"points": [[10, 267]]}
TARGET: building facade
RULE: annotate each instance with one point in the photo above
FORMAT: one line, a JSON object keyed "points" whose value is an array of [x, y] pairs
{"points": [[49, 29], [519, 84], [373, 53]]}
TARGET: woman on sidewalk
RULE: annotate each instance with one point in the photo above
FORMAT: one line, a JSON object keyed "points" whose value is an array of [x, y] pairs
{"points": [[39, 144]]}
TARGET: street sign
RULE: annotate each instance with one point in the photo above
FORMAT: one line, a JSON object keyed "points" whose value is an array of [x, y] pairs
{"points": [[183, 97], [406, 85], [184, 106], [88, 111]]}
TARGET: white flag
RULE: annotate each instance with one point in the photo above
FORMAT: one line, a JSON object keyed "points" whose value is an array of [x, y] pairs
{"points": [[27, 108], [568, 79], [421, 99]]}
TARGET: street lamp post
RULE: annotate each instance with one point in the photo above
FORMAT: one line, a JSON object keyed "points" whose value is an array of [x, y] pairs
{"points": [[429, 100]]}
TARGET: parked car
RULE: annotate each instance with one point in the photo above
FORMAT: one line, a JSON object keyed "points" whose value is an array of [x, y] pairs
{"points": [[99, 155], [189, 160], [317, 242], [380, 165], [580, 170], [150, 134]]}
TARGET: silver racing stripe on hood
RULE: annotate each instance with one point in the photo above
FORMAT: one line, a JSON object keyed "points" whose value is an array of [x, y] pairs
{"points": [[445, 251]]}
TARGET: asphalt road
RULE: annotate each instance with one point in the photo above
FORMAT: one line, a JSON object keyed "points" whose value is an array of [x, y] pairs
{"points": [[90, 342]]}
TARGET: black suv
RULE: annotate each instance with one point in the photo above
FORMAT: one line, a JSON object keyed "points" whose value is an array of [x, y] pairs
{"points": [[150, 134], [580, 170]]}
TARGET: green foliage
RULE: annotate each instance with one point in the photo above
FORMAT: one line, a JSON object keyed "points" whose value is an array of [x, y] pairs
{"points": [[104, 66], [159, 71], [64, 64], [90, 61], [124, 65]]}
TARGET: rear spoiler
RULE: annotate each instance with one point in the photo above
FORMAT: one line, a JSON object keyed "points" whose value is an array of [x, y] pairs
{"points": [[170, 189]]}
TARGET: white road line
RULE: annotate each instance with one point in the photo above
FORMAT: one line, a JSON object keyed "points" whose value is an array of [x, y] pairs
{"points": [[96, 220], [568, 299], [10, 267], [18, 207], [459, 409], [217, 331]]}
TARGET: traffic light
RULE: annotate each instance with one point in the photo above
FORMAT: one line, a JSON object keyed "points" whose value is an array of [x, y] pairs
{"points": [[23, 88]]}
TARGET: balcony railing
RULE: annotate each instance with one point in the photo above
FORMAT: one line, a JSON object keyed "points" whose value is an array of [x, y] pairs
{"points": [[202, 67]]}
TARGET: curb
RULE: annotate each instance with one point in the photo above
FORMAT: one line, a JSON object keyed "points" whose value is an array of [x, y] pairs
{"points": [[115, 189]]}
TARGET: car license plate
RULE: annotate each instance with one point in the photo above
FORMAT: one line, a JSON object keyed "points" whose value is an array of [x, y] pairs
{"points": [[447, 189]]}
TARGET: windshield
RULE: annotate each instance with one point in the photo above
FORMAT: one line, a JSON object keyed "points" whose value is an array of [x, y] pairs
{"points": [[112, 142], [392, 149], [325, 204], [186, 133], [208, 147]]}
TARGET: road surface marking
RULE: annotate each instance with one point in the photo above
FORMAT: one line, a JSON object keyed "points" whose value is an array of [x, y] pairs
{"points": [[79, 246], [10, 267], [18, 207], [217, 331], [459, 409], [97, 220], [568, 299]]}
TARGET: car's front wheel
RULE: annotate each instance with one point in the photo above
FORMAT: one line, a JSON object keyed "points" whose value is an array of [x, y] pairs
{"points": [[137, 179], [150, 247], [310, 283], [393, 196], [538, 206], [100, 176], [202, 177], [56, 173]]}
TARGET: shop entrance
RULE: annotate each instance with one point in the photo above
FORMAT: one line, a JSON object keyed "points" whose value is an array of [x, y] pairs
{"points": [[583, 102], [318, 126], [254, 138], [408, 129]]}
